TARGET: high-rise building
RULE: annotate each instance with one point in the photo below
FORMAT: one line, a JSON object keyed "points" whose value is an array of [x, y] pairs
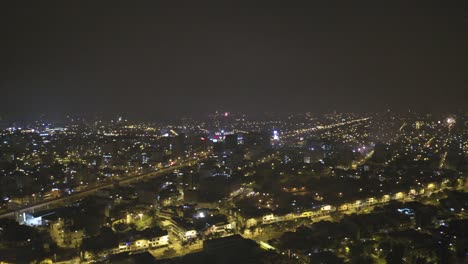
{"points": [[178, 146], [231, 141], [380, 152]]}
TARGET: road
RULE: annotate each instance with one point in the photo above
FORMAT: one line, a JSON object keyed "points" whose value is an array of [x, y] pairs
{"points": [[266, 232], [79, 195], [305, 131]]}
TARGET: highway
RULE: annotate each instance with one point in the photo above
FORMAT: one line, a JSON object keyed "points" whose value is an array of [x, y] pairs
{"points": [[45, 204], [296, 134]]}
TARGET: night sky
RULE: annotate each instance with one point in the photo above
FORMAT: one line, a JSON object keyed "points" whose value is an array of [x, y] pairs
{"points": [[154, 60]]}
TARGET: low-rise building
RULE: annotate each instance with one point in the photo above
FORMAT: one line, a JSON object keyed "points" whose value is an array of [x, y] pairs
{"points": [[65, 233], [182, 229], [145, 239]]}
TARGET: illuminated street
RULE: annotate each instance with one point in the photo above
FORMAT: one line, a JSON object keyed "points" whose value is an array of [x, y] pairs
{"points": [[232, 132]]}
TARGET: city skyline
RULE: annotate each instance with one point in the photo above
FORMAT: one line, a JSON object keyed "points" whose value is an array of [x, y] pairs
{"points": [[234, 132], [301, 188]]}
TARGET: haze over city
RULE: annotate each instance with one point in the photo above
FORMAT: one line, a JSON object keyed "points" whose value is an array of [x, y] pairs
{"points": [[162, 59], [233, 132]]}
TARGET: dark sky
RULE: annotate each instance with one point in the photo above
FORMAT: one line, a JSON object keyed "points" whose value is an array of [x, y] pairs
{"points": [[152, 60]]}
